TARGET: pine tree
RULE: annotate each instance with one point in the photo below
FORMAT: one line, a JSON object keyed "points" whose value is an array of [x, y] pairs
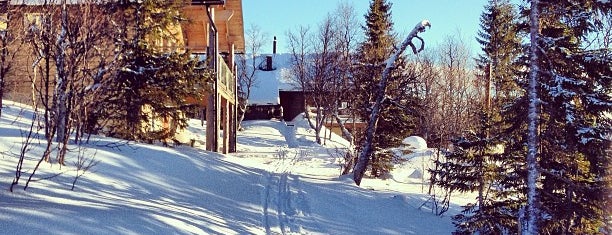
{"points": [[394, 124], [152, 81], [476, 163], [575, 96], [571, 124]]}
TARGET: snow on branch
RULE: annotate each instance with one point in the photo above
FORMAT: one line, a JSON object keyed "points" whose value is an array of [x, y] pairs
{"points": [[420, 27], [367, 149]]}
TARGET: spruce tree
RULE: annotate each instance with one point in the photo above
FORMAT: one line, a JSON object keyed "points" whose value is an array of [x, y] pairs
{"points": [[575, 99], [573, 91], [395, 124], [500, 42], [476, 164], [152, 81]]}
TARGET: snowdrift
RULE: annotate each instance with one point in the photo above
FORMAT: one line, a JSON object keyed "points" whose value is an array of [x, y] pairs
{"points": [[280, 182]]}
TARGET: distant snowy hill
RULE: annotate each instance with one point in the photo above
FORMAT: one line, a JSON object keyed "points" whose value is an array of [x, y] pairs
{"points": [[280, 182]]}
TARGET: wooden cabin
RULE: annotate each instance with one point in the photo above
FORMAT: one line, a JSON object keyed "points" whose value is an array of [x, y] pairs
{"points": [[216, 28]]}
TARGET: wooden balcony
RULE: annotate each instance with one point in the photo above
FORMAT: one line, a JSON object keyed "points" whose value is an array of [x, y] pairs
{"points": [[226, 81], [215, 27]]}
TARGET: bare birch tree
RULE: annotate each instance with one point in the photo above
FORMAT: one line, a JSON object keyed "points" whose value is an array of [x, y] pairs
{"points": [[300, 46], [39, 36], [428, 95], [81, 29], [321, 66], [458, 97], [325, 70], [61, 56], [247, 69], [347, 29]]}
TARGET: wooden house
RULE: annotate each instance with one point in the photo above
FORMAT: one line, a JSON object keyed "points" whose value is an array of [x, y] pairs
{"points": [[216, 28], [213, 30]]}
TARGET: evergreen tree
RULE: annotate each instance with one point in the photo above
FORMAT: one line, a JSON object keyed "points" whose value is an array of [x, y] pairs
{"points": [[394, 124], [500, 42], [152, 81], [572, 87], [575, 88], [473, 167], [476, 163]]}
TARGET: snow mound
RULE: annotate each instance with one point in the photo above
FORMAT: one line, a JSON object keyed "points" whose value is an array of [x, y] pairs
{"points": [[407, 173], [415, 143], [417, 159]]}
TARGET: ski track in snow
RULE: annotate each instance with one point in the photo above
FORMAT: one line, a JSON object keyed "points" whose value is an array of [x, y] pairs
{"points": [[284, 203], [280, 182]]}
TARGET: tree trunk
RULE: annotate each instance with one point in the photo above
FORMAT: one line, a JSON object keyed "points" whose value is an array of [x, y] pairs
{"points": [[62, 78], [345, 132], [367, 148], [3, 66], [319, 121], [533, 116], [241, 112]]}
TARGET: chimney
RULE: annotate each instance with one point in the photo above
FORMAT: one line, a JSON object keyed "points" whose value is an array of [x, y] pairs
{"points": [[269, 63], [274, 46]]}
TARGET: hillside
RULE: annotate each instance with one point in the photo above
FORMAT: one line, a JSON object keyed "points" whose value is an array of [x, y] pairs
{"points": [[279, 182]]}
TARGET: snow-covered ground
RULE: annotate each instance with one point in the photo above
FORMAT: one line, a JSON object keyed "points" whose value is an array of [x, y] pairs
{"points": [[279, 182]]}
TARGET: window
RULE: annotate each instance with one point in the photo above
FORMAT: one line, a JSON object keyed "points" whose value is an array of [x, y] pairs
{"points": [[344, 105], [33, 20], [3, 22]]}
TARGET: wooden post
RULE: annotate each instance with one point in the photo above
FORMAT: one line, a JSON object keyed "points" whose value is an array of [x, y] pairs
{"points": [[233, 130], [212, 108], [226, 125]]}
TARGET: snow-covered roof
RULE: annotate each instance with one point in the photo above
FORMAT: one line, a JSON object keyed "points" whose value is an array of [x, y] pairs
{"points": [[265, 91]]}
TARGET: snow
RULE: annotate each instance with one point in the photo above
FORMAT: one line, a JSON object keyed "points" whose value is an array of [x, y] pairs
{"points": [[415, 142], [417, 159], [279, 182], [265, 91]]}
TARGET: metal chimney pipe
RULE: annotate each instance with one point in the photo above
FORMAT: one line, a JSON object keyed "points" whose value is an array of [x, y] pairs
{"points": [[274, 46]]}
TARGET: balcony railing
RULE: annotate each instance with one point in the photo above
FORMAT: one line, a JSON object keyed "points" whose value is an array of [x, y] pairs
{"points": [[226, 77]]}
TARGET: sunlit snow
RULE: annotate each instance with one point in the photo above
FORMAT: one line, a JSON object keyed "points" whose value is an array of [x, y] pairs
{"points": [[279, 182]]}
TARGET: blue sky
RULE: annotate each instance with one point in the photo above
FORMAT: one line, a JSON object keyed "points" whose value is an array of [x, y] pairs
{"points": [[454, 18]]}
